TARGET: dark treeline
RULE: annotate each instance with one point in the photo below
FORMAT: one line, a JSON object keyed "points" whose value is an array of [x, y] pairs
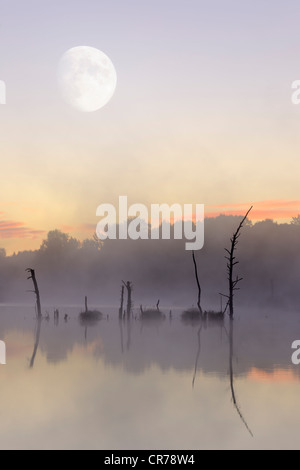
{"points": [[67, 269]]}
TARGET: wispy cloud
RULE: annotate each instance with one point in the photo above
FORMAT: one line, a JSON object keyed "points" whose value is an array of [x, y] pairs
{"points": [[81, 228], [14, 229], [274, 209]]}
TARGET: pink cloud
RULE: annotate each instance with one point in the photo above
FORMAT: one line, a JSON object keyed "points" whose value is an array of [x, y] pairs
{"points": [[274, 209], [86, 228], [13, 229]]}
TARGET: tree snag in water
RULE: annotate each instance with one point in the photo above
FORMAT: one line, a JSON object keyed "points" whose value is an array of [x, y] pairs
{"points": [[230, 266], [35, 291], [198, 284]]}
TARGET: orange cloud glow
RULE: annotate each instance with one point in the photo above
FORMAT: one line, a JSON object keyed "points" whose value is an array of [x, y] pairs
{"points": [[276, 210], [11, 229]]}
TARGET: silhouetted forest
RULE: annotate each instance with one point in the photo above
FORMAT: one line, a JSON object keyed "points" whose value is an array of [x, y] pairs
{"points": [[268, 254]]}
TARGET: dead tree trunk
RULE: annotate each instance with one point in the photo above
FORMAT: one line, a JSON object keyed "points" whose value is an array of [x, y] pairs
{"points": [[128, 286], [157, 305], [198, 284], [122, 304], [232, 283], [86, 304], [36, 291]]}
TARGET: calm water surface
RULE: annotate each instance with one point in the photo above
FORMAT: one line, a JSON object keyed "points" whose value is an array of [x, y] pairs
{"points": [[148, 385]]}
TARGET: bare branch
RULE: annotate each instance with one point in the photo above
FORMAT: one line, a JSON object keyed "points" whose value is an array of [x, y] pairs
{"points": [[198, 283], [36, 291], [232, 262]]}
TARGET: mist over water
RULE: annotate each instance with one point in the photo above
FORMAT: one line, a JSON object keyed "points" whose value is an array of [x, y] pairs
{"points": [[114, 121], [91, 374], [147, 384], [67, 270]]}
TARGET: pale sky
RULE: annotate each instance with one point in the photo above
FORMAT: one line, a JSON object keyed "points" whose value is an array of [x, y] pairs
{"points": [[202, 111]]}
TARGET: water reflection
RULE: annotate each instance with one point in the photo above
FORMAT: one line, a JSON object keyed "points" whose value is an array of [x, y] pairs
{"points": [[167, 343], [37, 341], [231, 374], [184, 366], [197, 355]]}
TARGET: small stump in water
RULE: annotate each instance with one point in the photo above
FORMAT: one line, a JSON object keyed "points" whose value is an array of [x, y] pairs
{"points": [[152, 315], [90, 317], [192, 316], [215, 318]]}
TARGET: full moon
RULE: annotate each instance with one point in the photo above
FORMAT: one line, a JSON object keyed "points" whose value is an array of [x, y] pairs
{"points": [[87, 78]]}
